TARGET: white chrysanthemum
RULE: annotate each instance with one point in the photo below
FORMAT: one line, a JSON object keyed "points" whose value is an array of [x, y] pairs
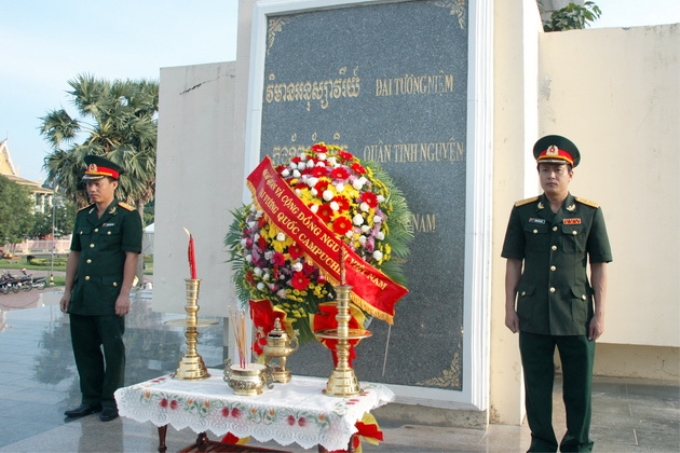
{"points": [[381, 198], [314, 192], [362, 240], [268, 255], [364, 206], [252, 224], [281, 293], [243, 242], [311, 181], [310, 164], [335, 206], [298, 192], [377, 219], [266, 276], [358, 219], [380, 236], [357, 184], [321, 156], [261, 286], [332, 161], [249, 258], [349, 234], [303, 156], [314, 208], [365, 228], [281, 236], [340, 187], [377, 254], [258, 271], [297, 267], [285, 173], [328, 195]]}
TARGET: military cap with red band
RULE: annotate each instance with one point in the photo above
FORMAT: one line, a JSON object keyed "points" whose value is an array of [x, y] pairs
{"points": [[99, 167], [555, 149]]}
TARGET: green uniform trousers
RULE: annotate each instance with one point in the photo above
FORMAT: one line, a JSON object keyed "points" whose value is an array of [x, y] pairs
{"points": [[577, 354], [100, 356]]}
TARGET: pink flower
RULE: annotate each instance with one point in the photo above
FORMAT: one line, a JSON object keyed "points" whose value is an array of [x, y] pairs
{"points": [[278, 259]]}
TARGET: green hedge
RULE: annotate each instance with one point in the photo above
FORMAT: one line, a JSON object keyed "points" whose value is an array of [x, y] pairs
{"points": [[48, 261]]}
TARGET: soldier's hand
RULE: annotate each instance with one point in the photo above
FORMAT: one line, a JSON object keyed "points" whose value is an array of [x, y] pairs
{"points": [[63, 302], [123, 304], [512, 321], [596, 328]]}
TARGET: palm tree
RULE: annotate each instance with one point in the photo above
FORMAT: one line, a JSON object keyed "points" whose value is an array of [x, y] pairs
{"points": [[117, 120]]}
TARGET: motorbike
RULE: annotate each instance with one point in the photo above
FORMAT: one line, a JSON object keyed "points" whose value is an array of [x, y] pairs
{"points": [[6, 282], [27, 282], [24, 282]]}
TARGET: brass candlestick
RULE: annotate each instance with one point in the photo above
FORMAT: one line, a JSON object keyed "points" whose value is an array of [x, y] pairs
{"points": [[343, 382], [191, 367]]}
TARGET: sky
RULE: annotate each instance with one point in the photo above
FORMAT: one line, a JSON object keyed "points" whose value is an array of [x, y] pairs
{"points": [[46, 43]]}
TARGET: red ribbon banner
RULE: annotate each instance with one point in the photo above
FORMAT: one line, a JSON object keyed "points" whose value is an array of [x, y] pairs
{"points": [[372, 290]]}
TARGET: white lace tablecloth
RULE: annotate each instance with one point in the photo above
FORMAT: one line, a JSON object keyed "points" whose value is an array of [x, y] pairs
{"points": [[294, 412]]}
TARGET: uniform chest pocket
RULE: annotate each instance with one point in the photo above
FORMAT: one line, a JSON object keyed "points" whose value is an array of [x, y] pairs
{"points": [[108, 235], [84, 236], [573, 238], [536, 236]]}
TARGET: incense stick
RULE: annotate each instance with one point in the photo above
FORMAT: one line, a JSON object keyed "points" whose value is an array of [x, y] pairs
{"points": [[238, 322]]}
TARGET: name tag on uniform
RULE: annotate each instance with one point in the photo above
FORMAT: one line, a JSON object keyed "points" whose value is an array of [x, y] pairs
{"points": [[113, 224], [572, 221], [533, 220]]}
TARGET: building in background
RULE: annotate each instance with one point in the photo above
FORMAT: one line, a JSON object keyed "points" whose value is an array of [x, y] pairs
{"points": [[42, 197]]}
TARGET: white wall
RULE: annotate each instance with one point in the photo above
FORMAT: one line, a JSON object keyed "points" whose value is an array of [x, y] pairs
{"points": [[199, 180], [516, 31], [616, 93]]}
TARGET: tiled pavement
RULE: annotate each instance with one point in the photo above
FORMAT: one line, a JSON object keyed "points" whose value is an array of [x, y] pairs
{"points": [[38, 382]]}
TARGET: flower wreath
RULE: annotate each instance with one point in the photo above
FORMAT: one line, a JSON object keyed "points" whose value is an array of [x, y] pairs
{"points": [[357, 201]]}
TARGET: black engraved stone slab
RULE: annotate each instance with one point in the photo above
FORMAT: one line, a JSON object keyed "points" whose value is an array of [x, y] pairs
{"points": [[388, 82]]}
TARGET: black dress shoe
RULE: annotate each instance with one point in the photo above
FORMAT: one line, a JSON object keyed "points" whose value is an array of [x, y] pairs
{"points": [[83, 410], [108, 414]]}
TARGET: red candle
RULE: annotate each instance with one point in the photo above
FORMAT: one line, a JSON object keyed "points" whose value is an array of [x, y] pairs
{"points": [[192, 256]]}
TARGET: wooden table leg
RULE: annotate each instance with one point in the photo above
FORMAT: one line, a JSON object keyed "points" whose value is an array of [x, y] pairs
{"points": [[350, 446], [162, 431], [202, 439]]}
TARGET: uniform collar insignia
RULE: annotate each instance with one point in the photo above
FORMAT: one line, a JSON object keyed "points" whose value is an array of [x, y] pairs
{"points": [[571, 207], [112, 210], [540, 205], [90, 211]]}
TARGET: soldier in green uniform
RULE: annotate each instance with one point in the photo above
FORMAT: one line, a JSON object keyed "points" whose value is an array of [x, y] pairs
{"points": [[549, 299], [100, 271]]}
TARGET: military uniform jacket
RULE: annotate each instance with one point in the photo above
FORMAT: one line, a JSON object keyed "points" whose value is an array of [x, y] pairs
{"points": [[102, 243], [554, 296]]}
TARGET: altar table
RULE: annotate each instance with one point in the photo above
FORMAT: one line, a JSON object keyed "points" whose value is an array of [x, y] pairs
{"points": [[297, 411]]}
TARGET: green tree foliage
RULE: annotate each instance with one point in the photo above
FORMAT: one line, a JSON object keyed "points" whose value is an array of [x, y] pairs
{"points": [[572, 17], [64, 218], [16, 212], [117, 120]]}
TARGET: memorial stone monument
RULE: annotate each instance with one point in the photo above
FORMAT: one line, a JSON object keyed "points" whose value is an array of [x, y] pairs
{"points": [[387, 81]]}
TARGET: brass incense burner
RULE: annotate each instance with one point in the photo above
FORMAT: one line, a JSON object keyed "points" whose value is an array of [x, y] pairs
{"points": [[279, 346], [249, 380]]}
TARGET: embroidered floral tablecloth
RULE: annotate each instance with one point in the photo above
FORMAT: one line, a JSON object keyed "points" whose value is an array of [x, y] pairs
{"points": [[294, 412]]}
